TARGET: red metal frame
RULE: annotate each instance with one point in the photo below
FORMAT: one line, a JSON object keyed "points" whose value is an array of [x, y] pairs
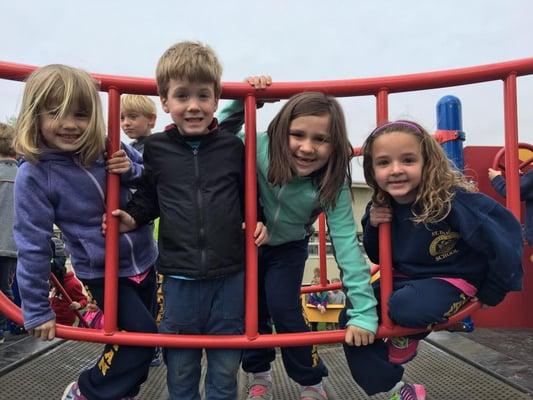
{"points": [[380, 88]]}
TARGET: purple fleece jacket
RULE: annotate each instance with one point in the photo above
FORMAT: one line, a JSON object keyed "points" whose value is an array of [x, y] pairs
{"points": [[58, 191]]}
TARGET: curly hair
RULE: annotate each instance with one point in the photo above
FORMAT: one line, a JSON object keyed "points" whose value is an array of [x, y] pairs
{"points": [[439, 177]]}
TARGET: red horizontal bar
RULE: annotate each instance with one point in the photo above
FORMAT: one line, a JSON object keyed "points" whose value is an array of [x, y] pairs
{"points": [[341, 88], [217, 341]]}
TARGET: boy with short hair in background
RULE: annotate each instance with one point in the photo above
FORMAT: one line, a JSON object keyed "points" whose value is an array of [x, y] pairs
{"points": [[137, 118]]}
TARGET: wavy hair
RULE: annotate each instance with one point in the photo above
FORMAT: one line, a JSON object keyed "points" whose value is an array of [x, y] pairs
{"points": [[439, 177], [57, 89], [336, 172]]}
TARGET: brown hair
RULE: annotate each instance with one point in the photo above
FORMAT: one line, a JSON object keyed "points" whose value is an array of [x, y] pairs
{"points": [[7, 133], [439, 177], [190, 61], [336, 172]]}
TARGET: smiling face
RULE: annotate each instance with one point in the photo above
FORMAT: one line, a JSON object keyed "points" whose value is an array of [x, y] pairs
{"points": [[309, 142], [191, 106], [397, 163], [63, 133]]}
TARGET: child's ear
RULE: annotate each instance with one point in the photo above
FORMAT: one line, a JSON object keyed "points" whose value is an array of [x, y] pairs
{"points": [[164, 103], [216, 102]]}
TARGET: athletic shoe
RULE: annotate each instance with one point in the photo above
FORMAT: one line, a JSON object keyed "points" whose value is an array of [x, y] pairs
{"points": [[312, 393], [401, 349], [2, 336], [72, 392], [260, 389], [410, 392]]}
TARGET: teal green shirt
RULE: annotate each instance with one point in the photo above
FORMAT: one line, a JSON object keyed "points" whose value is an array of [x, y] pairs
{"points": [[291, 210]]}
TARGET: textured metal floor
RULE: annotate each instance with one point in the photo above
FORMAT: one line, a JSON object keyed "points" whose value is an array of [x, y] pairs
{"points": [[445, 377]]}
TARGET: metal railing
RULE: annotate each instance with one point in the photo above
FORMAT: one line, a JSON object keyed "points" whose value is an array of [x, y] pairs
{"points": [[507, 72]]}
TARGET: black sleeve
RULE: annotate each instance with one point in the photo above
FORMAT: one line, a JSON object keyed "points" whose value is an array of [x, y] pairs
{"points": [[144, 205]]}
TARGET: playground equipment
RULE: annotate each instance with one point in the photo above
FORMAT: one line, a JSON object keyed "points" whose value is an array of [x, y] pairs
{"points": [[378, 87]]}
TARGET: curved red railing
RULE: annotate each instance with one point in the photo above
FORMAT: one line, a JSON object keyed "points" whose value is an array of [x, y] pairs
{"points": [[379, 87]]}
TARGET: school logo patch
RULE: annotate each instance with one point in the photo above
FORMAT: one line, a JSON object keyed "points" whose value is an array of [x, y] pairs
{"points": [[444, 244]]}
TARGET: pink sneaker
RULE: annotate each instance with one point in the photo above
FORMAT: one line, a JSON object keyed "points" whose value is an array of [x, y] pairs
{"points": [[72, 392], [260, 389], [312, 393], [410, 392], [402, 349]]}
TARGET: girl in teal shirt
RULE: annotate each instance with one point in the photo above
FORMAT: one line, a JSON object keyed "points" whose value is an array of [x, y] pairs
{"points": [[303, 170]]}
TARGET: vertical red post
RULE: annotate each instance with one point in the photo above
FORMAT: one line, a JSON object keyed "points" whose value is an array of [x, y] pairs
{"points": [[385, 248], [112, 203], [322, 249], [511, 146], [250, 201]]}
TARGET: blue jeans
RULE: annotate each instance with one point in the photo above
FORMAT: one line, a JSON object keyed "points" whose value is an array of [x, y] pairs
{"points": [[280, 273], [210, 306], [413, 304]]}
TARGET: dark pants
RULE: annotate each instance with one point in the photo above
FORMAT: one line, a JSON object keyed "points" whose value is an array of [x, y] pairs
{"points": [[280, 277], [413, 304], [120, 370], [7, 270]]}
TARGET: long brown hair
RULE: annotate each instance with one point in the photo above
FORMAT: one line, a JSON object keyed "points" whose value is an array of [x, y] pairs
{"points": [[439, 177], [336, 172]]}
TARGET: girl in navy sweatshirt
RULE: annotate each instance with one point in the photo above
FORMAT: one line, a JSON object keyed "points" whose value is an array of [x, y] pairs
{"points": [[61, 134], [449, 244]]}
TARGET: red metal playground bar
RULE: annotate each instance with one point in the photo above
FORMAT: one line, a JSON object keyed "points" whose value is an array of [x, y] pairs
{"points": [[378, 87]]}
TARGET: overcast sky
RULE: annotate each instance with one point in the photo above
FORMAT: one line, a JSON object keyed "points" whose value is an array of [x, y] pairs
{"points": [[292, 41]]}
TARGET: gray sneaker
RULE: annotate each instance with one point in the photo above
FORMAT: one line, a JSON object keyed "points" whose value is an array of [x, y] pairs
{"points": [[260, 389]]}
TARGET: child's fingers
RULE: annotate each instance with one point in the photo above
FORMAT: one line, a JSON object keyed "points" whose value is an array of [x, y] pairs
{"points": [[119, 153], [259, 81]]}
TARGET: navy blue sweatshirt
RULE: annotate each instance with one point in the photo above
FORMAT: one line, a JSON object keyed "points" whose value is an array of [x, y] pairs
{"points": [[526, 194], [479, 241]]}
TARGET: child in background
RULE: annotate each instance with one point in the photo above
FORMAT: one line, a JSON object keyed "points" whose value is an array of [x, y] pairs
{"points": [[63, 309], [316, 277], [137, 118], [320, 301], [526, 194], [336, 296], [8, 250], [450, 244], [303, 169], [194, 181], [61, 135]]}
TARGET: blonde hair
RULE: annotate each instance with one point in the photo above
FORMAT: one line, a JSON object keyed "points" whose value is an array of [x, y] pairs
{"points": [[137, 103], [439, 177], [57, 89], [336, 173], [7, 133], [190, 61]]}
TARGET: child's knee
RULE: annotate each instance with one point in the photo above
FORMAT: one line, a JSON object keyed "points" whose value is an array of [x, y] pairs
{"points": [[404, 308]]}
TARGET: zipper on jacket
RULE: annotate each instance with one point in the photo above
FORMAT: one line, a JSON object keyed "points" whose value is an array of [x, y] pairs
{"points": [[201, 230]]}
